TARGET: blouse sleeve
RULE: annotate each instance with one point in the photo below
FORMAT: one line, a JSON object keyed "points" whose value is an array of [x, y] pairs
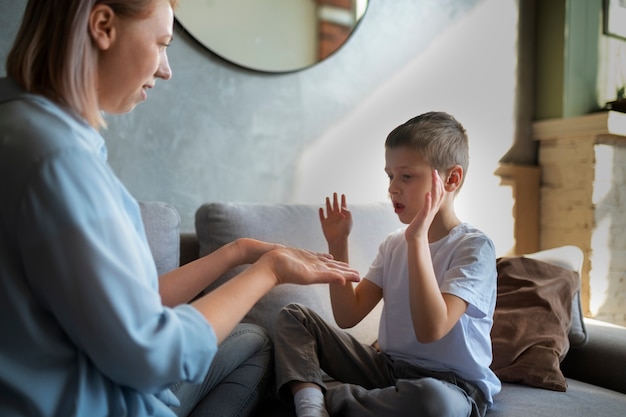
{"points": [[87, 261]]}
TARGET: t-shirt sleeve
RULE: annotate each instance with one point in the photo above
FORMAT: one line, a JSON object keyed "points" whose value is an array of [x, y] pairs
{"points": [[472, 274]]}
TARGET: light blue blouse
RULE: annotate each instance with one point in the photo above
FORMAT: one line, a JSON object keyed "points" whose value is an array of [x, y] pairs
{"points": [[82, 328]]}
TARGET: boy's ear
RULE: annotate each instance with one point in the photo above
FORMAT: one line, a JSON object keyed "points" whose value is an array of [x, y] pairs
{"points": [[101, 26], [454, 178]]}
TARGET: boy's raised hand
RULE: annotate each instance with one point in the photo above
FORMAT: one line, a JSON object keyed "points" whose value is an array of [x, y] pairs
{"points": [[432, 201], [337, 222]]}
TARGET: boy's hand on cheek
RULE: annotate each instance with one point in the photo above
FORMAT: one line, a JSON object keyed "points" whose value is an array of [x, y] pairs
{"points": [[432, 201]]}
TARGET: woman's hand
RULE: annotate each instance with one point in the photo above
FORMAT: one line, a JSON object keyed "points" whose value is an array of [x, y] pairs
{"points": [[298, 266], [225, 306], [337, 222], [251, 250]]}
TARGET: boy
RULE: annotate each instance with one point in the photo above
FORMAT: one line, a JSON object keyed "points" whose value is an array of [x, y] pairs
{"points": [[437, 277]]}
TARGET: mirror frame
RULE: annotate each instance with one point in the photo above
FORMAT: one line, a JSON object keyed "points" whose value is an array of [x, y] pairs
{"points": [[256, 40]]}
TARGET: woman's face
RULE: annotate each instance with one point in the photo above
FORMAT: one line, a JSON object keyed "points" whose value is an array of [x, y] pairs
{"points": [[134, 58]]}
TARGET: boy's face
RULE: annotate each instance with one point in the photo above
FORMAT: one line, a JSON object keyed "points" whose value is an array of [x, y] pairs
{"points": [[409, 181]]}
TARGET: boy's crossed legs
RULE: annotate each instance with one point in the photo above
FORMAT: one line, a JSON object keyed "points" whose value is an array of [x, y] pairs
{"points": [[373, 383]]}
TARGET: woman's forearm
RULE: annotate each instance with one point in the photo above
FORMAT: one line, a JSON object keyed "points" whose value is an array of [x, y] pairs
{"points": [[225, 306], [183, 284]]}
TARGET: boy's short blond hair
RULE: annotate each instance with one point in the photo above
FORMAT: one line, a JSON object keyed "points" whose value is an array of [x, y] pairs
{"points": [[437, 136]]}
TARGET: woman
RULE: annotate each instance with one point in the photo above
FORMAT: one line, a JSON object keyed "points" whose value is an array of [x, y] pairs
{"points": [[88, 329]]}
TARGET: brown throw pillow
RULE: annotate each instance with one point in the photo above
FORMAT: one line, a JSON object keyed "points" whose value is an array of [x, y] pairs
{"points": [[531, 322]]}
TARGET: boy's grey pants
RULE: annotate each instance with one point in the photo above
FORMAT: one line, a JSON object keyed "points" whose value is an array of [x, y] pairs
{"points": [[372, 384]]}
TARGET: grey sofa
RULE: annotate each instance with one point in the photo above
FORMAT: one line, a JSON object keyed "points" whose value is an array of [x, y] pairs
{"points": [[594, 367]]}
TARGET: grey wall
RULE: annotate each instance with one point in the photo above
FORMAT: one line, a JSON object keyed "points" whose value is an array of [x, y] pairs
{"points": [[217, 132]]}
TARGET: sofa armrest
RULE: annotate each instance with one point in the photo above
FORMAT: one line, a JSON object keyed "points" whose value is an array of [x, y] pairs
{"points": [[602, 360], [189, 247]]}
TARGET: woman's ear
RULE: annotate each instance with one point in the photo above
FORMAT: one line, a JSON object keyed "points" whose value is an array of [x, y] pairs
{"points": [[101, 26], [454, 178]]}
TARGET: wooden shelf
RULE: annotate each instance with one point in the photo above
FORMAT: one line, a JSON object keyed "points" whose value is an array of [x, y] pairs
{"points": [[587, 126]]}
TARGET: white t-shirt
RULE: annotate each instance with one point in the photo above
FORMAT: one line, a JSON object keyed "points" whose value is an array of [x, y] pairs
{"points": [[465, 265]]}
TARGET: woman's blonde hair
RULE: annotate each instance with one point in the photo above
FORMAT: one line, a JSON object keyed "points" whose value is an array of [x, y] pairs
{"points": [[53, 54]]}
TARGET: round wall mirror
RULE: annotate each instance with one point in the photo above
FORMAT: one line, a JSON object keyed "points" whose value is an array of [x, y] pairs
{"points": [[271, 35]]}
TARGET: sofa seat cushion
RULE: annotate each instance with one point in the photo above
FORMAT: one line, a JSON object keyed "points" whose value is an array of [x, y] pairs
{"points": [[580, 400], [296, 225]]}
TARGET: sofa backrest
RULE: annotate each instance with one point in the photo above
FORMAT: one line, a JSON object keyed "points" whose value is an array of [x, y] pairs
{"points": [[162, 225], [296, 225]]}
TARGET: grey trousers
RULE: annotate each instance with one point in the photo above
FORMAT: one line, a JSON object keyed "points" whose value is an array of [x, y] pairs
{"points": [[237, 379], [372, 383]]}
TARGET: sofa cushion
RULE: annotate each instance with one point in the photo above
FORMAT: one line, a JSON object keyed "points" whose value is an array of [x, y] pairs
{"points": [[162, 223], [532, 321], [569, 257], [296, 225], [580, 400]]}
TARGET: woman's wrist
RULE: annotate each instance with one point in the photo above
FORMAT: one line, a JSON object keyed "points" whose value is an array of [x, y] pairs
{"points": [[234, 253], [264, 268]]}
